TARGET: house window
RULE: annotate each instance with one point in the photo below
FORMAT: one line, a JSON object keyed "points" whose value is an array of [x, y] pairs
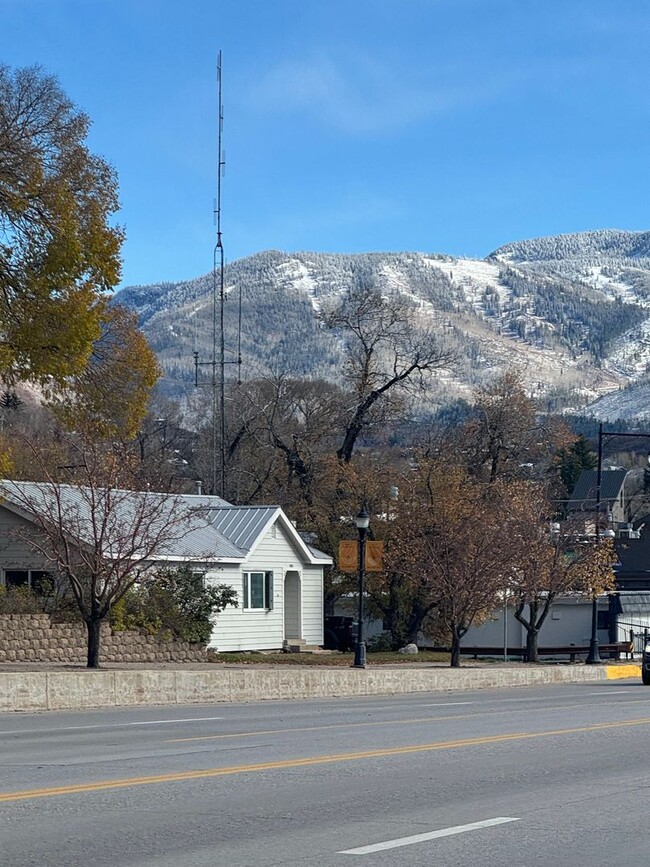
{"points": [[36, 579], [258, 590], [198, 576]]}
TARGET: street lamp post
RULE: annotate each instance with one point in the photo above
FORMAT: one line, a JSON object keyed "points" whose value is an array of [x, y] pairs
{"points": [[594, 651], [362, 521]]}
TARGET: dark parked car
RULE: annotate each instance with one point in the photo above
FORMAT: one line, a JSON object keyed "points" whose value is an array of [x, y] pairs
{"points": [[645, 665], [340, 632]]}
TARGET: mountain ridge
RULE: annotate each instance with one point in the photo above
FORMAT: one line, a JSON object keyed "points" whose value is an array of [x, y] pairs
{"points": [[570, 312]]}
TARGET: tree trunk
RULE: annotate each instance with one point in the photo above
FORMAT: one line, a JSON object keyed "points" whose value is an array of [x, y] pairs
{"points": [[533, 624], [419, 614], [455, 649], [93, 625], [395, 629], [532, 636]]}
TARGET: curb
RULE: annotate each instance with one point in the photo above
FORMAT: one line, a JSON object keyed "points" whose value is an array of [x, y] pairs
{"points": [[617, 672], [78, 690]]}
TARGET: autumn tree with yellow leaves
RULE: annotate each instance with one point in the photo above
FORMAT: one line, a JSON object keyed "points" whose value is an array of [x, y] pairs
{"points": [[110, 396], [58, 252], [59, 259]]}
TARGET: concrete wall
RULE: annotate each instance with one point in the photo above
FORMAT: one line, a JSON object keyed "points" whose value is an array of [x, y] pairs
{"points": [[35, 638], [60, 690]]}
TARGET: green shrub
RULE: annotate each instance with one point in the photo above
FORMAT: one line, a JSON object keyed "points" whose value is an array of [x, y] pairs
{"points": [[21, 600], [48, 599], [382, 643], [173, 603]]}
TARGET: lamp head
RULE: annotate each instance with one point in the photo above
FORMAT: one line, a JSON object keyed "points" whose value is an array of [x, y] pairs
{"points": [[362, 520]]}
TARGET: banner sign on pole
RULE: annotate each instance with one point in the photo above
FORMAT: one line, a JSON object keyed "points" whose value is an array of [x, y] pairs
{"points": [[349, 556]]}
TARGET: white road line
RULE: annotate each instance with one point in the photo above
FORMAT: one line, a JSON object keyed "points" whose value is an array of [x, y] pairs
{"points": [[447, 704], [432, 835], [152, 722], [571, 696]]}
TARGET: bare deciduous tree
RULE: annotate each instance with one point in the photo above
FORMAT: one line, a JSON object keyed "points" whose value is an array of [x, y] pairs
{"points": [[389, 352], [506, 439], [99, 535], [550, 559]]}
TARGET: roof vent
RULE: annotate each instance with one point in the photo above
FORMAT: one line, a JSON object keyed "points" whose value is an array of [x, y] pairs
{"points": [[199, 487]]}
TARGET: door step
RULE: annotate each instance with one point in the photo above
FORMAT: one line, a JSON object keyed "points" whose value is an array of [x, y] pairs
{"points": [[298, 645]]}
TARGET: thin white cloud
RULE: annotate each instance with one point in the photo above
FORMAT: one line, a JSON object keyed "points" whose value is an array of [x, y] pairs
{"points": [[358, 95]]}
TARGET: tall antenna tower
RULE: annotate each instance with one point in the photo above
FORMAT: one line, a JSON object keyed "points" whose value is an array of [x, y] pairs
{"points": [[218, 362]]}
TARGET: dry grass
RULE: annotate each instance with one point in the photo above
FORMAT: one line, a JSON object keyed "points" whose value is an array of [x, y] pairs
{"points": [[324, 659]]}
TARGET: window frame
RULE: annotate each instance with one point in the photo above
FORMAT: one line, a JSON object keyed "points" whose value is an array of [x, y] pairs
{"points": [[32, 575], [267, 590]]}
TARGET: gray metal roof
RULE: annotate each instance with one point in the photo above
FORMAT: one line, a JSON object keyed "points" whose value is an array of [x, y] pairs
{"points": [[634, 603], [584, 493], [242, 525], [319, 555], [200, 527]]}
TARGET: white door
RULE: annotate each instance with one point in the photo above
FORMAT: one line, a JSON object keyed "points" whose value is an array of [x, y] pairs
{"points": [[292, 605]]}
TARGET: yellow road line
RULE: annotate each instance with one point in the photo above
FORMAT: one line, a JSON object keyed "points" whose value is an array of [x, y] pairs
{"points": [[509, 711], [307, 762]]}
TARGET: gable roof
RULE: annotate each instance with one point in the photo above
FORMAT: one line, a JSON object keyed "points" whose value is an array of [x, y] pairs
{"points": [[242, 525], [208, 528], [583, 497]]}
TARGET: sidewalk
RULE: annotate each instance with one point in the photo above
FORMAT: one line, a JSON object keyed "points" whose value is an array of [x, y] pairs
{"points": [[36, 687]]}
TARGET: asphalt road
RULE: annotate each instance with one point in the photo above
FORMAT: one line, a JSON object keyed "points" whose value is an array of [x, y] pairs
{"points": [[549, 776]]}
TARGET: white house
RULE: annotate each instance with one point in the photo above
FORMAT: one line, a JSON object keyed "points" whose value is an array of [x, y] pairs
{"points": [[278, 577]]}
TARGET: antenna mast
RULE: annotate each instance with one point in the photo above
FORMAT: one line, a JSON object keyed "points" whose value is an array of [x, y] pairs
{"points": [[218, 253], [218, 362]]}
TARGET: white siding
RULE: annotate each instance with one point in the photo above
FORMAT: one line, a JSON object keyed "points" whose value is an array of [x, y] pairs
{"points": [[238, 629], [15, 553], [312, 604], [569, 622]]}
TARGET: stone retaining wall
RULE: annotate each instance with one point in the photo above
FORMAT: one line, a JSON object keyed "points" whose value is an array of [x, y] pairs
{"points": [[35, 638], [60, 690]]}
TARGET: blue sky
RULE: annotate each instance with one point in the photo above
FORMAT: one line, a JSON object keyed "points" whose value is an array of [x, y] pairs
{"points": [[432, 125]]}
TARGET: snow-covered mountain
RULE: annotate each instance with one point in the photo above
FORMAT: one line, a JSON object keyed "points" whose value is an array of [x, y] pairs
{"points": [[570, 312]]}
